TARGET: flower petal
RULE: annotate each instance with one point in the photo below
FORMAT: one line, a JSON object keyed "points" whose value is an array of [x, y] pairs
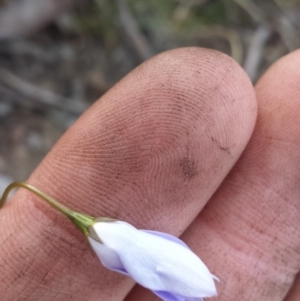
{"points": [[108, 257], [168, 296], [167, 236], [157, 263], [185, 280]]}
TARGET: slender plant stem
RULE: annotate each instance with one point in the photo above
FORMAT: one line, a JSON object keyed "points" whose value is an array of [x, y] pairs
{"points": [[63, 209], [82, 221]]}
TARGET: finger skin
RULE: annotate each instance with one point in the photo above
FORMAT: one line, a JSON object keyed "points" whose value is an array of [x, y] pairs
{"points": [[294, 293], [151, 152], [248, 233], [251, 226]]}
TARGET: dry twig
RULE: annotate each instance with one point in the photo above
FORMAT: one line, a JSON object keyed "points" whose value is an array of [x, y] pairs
{"points": [[228, 34], [255, 51], [131, 29], [40, 95]]}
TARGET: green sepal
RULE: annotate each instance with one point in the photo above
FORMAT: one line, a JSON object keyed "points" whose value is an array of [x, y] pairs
{"points": [[81, 221]]}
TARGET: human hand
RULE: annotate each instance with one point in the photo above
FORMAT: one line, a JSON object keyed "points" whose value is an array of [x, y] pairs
{"points": [[153, 151]]}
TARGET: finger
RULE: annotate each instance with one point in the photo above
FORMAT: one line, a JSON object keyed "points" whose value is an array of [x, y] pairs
{"points": [[151, 151], [294, 293], [248, 233]]}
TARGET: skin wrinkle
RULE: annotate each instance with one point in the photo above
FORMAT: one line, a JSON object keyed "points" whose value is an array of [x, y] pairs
{"points": [[88, 183], [57, 290], [238, 248], [29, 297], [23, 274]]}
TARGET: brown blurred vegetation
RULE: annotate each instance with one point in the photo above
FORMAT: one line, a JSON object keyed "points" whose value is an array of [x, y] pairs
{"points": [[59, 56]]}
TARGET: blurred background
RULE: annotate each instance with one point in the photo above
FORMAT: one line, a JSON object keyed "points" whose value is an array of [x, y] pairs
{"points": [[57, 57]]}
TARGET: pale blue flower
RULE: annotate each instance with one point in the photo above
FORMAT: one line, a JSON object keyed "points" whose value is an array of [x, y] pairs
{"points": [[155, 260]]}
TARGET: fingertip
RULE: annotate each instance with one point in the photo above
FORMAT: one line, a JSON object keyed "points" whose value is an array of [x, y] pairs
{"points": [[281, 80], [279, 91], [151, 150]]}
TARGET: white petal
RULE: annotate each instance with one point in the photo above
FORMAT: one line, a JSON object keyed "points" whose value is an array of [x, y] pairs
{"points": [[168, 237], [157, 263], [108, 257], [168, 297]]}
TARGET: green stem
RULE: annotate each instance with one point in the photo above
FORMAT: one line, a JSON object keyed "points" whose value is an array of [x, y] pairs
{"points": [[81, 221]]}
